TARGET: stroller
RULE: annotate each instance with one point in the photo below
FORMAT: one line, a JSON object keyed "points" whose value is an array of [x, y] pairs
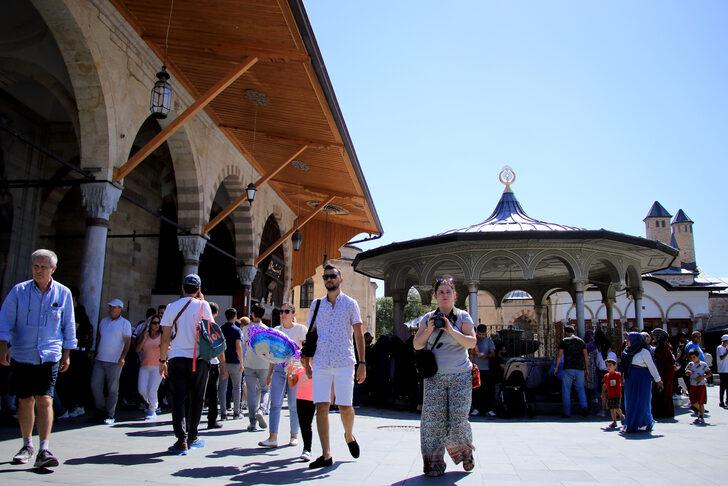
{"points": [[521, 377]]}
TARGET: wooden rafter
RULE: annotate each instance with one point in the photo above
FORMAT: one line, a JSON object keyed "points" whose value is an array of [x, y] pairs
{"points": [[275, 137], [185, 116], [288, 233], [243, 197]]}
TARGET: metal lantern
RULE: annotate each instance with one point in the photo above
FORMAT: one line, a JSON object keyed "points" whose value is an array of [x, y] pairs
{"points": [[296, 239], [161, 99], [251, 190]]}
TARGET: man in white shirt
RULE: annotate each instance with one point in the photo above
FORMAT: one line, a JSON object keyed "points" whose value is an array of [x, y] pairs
{"points": [[721, 354], [113, 339], [187, 373], [334, 362]]}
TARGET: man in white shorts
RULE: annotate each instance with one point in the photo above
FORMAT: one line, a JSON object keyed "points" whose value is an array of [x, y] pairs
{"points": [[334, 363]]}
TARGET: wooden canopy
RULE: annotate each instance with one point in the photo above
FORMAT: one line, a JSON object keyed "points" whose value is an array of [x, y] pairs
{"points": [[208, 38]]}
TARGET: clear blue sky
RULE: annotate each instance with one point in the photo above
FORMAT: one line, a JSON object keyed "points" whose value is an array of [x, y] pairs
{"points": [[601, 108]]}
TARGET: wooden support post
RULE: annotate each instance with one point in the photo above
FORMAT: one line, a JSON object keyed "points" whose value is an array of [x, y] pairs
{"points": [[288, 234], [243, 197], [175, 125]]}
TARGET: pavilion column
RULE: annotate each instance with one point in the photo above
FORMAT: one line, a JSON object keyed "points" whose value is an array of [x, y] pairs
{"points": [[499, 315], [637, 296], [246, 274], [100, 200], [191, 247], [538, 312], [579, 293], [473, 300], [609, 305], [399, 300]]}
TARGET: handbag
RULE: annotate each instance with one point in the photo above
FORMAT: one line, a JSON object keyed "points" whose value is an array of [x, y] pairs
{"points": [[475, 375], [425, 361], [309, 345]]}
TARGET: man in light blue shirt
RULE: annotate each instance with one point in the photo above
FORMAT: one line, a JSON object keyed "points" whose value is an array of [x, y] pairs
{"points": [[37, 334]]}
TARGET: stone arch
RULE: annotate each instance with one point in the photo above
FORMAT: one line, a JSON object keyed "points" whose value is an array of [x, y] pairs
{"points": [[632, 278], [190, 204], [513, 256], [588, 313], [573, 267], [403, 277], [677, 305], [614, 268], [431, 268], [230, 178]]}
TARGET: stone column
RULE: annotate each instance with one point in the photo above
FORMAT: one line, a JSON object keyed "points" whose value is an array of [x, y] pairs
{"points": [[609, 305], [473, 300], [579, 292], [246, 274], [399, 299], [191, 247], [100, 200], [540, 331], [637, 296]]}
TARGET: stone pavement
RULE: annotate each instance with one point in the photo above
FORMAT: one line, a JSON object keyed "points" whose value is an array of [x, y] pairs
{"points": [[540, 451]]}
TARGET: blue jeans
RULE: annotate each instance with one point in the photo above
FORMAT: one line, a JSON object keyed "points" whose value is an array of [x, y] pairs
{"points": [[278, 385], [575, 377], [257, 391]]}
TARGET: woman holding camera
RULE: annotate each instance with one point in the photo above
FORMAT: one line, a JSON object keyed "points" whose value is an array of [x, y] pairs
{"points": [[448, 332]]}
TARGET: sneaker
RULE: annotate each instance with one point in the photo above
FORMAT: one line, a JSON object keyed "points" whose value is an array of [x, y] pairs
{"points": [[696, 421], [267, 443], [702, 420], [214, 425], [77, 412], [613, 425], [261, 420], [306, 456], [491, 413], [474, 413], [293, 442], [150, 415], [65, 416], [252, 428], [45, 459], [109, 421], [196, 443], [23, 455], [179, 447]]}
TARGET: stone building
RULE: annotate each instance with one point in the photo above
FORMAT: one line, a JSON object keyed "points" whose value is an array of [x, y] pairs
{"points": [[130, 199], [357, 286]]}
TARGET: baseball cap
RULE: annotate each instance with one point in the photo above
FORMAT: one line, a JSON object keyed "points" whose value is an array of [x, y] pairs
{"points": [[724, 337], [116, 303], [193, 280]]}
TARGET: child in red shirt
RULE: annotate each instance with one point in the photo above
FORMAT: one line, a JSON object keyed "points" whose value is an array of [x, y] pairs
{"points": [[612, 391]]}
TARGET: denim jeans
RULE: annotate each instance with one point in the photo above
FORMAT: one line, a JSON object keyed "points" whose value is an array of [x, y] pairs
{"points": [[257, 391], [575, 377], [278, 386], [236, 376]]}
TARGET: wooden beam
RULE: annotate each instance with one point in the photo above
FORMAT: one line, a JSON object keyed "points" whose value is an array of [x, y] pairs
{"points": [[185, 116], [318, 190], [276, 137], [288, 234], [243, 197]]}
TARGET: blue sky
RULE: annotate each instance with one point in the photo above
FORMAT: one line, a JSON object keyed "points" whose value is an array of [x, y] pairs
{"points": [[601, 108]]}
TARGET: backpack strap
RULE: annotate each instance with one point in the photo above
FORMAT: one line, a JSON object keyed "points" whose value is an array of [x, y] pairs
{"points": [[174, 323]]}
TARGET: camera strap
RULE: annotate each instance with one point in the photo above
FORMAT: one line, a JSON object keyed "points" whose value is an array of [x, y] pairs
{"points": [[437, 339]]}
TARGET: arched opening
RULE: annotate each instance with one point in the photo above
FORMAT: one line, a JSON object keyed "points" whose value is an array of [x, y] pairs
{"points": [[218, 270], [269, 282]]}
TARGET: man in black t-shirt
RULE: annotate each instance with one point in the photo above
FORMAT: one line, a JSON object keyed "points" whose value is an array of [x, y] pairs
{"points": [[573, 350]]}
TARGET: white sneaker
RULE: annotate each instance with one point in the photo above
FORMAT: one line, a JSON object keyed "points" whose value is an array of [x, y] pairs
{"points": [[270, 444], [491, 413], [261, 420], [293, 442], [306, 456], [474, 413], [77, 412], [65, 416], [109, 421]]}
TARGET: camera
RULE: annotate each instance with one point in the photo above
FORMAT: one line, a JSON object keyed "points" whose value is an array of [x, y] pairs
{"points": [[439, 320]]}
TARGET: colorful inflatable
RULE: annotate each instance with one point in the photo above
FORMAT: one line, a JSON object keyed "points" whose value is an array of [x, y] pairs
{"points": [[272, 345]]}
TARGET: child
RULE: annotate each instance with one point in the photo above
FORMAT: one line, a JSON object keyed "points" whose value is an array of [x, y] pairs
{"points": [[305, 408], [612, 391], [698, 371]]}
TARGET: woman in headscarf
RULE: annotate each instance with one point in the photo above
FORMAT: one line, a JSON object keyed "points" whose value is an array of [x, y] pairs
{"points": [[592, 383], [638, 370], [662, 406]]}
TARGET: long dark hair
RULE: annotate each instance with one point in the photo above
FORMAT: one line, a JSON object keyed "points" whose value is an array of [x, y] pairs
{"points": [[159, 323]]}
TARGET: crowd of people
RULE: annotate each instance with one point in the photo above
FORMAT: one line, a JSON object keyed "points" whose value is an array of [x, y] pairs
{"points": [[53, 359]]}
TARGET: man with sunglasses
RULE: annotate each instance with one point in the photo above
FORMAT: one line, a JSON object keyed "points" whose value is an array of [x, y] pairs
{"points": [[334, 361]]}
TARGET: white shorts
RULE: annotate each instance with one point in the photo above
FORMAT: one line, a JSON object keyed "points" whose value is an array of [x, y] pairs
{"points": [[342, 380]]}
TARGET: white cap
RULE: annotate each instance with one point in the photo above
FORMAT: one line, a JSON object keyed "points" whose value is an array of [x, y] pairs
{"points": [[116, 303], [724, 337]]}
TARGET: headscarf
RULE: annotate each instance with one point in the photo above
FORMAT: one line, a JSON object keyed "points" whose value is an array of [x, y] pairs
{"points": [[636, 344], [589, 341], [603, 342], [660, 336]]}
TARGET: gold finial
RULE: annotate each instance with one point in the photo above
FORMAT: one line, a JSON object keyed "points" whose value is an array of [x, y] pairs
{"points": [[507, 177]]}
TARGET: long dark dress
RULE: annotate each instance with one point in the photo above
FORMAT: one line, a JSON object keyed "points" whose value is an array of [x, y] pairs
{"points": [[662, 405]]}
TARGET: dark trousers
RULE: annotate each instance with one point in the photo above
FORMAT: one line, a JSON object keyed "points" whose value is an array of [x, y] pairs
{"points": [[484, 395], [305, 411], [211, 394], [188, 395], [723, 388], [74, 386]]}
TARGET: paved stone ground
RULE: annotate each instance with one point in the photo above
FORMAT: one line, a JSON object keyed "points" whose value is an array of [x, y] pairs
{"points": [[542, 451]]}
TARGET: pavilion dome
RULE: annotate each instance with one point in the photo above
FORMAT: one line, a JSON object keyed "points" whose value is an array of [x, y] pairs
{"points": [[509, 215]]}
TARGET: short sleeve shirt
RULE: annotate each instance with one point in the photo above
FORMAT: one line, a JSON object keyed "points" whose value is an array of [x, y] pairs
{"points": [[573, 347], [335, 345], [486, 346], [720, 352], [698, 371], [111, 342], [613, 382], [232, 334], [184, 343], [451, 356]]}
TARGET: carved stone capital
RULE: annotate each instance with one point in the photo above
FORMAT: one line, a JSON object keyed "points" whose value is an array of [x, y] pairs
{"points": [[473, 286], [100, 200], [191, 247], [579, 285], [246, 274]]}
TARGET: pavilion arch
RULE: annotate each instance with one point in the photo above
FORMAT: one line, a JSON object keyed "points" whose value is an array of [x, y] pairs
{"points": [[614, 269], [602, 310], [629, 310], [548, 293], [492, 255], [632, 278], [406, 276], [97, 127], [431, 269], [571, 314], [675, 308], [575, 271]]}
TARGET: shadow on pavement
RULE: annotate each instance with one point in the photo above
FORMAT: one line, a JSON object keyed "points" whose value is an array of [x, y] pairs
{"points": [[240, 452], [141, 425], [447, 478], [119, 459], [270, 472], [151, 433], [37, 470]]}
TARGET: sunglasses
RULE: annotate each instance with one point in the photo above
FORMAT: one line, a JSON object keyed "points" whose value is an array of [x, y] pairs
{"points": [[154, 322], [329, 276], [287, 311]]}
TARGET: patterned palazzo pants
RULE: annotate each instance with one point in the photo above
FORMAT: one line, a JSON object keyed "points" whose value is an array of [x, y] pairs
{"points": [[444, 424]]}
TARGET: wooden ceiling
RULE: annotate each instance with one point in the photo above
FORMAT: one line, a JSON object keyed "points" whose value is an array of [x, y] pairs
{"points": [[208, 37]]}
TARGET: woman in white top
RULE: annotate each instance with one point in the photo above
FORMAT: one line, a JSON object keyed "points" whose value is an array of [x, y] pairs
{"points": [[638, 370]]}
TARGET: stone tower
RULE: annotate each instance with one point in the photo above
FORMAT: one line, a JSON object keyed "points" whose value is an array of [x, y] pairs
{"points": [[682, 228], [657, 224]]}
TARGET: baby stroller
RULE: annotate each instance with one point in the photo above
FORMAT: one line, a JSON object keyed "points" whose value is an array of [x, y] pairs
{"points": [[513, 398]]}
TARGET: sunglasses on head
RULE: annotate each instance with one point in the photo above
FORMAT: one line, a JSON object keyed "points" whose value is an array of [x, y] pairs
{"points": [[329, 276], [444, 280], [287, 311]]}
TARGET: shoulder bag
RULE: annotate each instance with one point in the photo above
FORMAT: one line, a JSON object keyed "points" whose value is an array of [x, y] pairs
{"points": [[309, 345], [425, 361]]}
